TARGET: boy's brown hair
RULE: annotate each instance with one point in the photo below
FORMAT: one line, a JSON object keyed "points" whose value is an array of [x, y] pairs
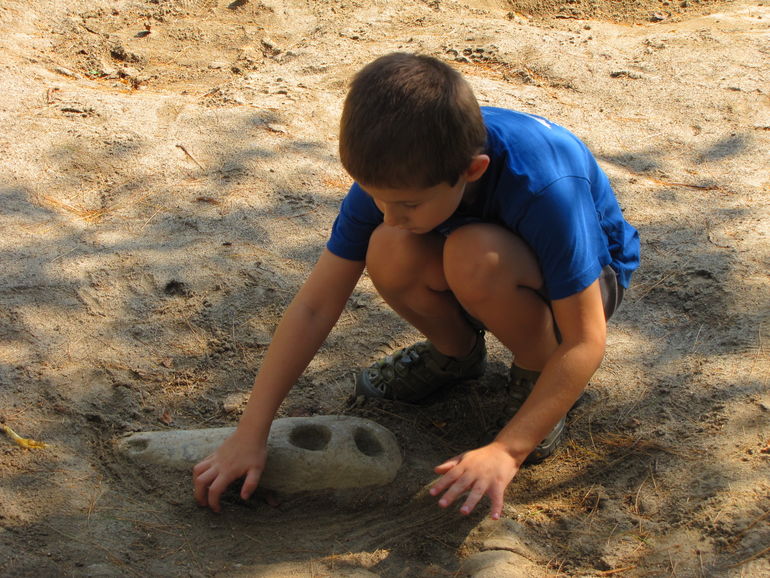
{"points": [[409, 121]]}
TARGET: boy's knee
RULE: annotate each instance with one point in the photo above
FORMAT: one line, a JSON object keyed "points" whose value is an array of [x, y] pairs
{"points": [[470, 268], [479, 258], [396, 259]]}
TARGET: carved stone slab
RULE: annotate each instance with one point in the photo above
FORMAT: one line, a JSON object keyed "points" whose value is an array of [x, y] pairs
{"points": [[303, 453]]}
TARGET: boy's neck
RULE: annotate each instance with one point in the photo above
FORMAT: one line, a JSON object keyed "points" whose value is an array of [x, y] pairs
{"points": [[471, 192]]}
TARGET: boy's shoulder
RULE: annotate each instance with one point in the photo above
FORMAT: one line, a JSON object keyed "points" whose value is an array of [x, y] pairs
{"points": [[534, 150], [512, 125]]}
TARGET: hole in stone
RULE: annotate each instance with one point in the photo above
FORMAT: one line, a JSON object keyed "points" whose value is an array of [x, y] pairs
{"points": [[367, 443], [138, 444], [310, 437]]}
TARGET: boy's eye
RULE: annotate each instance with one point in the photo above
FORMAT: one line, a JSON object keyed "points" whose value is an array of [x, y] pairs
{"points": [[411, 205]]}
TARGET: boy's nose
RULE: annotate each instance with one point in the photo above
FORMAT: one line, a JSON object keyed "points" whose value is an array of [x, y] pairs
{"points": [[392, 218]]}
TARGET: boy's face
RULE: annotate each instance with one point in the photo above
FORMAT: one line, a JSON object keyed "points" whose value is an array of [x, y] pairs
{"points": [[418, 210], [422, 210]]}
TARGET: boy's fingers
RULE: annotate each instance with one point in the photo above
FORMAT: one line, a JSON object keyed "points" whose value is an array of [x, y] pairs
{"points": [[201, 483], [215, 490], [201, 466], [443, 468], [446, 466], [444, 482], [473, 498], [455, 490], [250, 484], [496, 496]]}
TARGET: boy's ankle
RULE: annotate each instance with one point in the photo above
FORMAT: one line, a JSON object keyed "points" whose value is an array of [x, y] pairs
{"points": [[524, 368], [476, 338]]}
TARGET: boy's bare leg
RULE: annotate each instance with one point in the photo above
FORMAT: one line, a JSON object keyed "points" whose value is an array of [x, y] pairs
{"points": [[408, 272], [493, 273]]}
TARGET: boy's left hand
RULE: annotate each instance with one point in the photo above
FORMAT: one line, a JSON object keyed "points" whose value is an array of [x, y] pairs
{"points": [[486, 470]]}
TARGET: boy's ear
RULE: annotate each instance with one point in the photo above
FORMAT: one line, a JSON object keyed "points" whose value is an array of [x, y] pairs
{"points": [[478, 166]]}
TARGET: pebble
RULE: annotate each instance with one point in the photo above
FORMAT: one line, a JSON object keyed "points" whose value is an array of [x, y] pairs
{"points": [[625, 73], [233, 402], [65, 72]]}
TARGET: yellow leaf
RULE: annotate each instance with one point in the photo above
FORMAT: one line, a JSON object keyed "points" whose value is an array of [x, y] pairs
{"points": [[23, 442]]}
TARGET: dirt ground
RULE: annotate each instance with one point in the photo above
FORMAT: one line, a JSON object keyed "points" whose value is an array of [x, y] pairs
{"points": [[169, 176]]}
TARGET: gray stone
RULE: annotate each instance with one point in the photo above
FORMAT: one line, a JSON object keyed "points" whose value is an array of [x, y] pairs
{"points": [[303, 453], [505, 552], [498, 564], [508, 535]]}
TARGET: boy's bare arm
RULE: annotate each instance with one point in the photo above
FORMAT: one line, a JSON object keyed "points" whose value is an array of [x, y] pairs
{"points": [[488, 470], [584, 331], [303, 328]]}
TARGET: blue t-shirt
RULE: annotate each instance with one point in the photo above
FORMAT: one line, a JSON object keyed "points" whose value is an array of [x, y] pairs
{"points": [[544, 185]]}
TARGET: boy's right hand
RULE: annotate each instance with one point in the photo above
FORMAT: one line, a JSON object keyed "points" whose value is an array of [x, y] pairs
{"points": [[239, 455]]}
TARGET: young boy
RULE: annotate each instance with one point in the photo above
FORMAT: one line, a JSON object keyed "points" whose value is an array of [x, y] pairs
{"points": [[467, 220]]}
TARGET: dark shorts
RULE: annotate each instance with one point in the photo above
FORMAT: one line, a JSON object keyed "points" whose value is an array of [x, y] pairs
{"points": [[612, 291], [612, 296]]}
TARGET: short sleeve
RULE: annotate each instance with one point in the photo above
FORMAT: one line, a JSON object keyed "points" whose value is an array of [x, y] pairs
{"points": [[562, 227], [357, 219]]}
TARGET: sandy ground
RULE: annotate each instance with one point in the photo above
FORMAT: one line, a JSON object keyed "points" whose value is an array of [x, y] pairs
{"points": [[169, 176]]}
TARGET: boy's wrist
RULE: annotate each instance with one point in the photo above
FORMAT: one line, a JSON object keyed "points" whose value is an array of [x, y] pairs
{"points": [[254, 425], [515, 449]]}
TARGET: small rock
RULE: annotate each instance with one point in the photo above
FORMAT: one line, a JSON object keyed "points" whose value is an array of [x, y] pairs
{"points": [[232, 402], [108, 70], [279, 128], [65, 72], [119, 52], [77, 109], [269, 46], [128, 72], [658, 17], [625, 73], [217, 65]]}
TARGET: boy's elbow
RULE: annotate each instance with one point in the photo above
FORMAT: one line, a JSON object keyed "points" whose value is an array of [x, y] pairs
{"points": [[592, 343], [596, 344], [595, 336]]}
